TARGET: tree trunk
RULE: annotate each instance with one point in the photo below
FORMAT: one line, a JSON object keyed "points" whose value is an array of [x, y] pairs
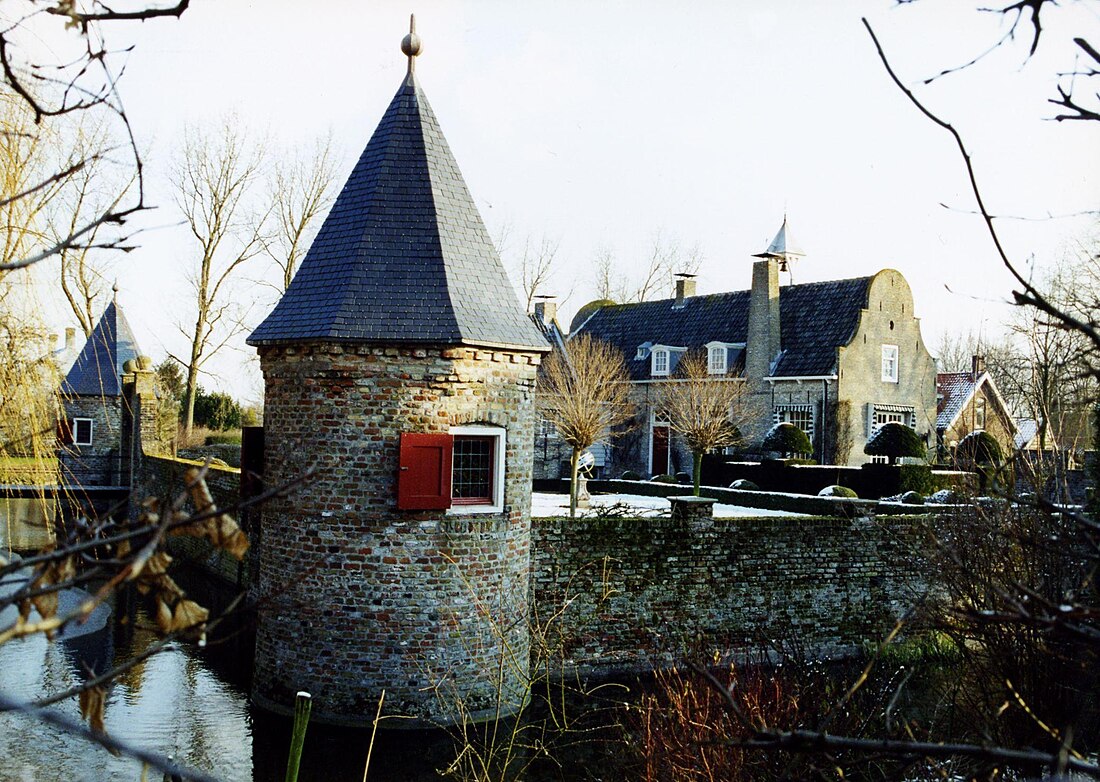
{"points": [[574, 462], [697, 469], [189, 399]]}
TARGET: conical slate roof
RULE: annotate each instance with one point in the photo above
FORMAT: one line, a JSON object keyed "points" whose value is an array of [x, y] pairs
{"points": [[98, 366], [403, 257]]}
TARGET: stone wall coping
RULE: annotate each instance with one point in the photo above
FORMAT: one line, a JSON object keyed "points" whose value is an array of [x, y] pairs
{"points": [[194, 463], [691, 499]]}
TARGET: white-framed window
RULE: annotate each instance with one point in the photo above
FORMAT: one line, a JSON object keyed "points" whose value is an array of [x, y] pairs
{"points": [[716, 359], [889, 363], [877, 415], [477, 469], [979, 413], [83, 429], [659, 366], [801, 416]]}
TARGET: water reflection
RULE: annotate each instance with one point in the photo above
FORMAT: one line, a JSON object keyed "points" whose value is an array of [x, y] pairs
{"points": [[27, 522]]}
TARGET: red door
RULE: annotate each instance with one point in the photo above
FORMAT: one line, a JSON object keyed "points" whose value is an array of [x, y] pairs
{"points": [[659, 453]]}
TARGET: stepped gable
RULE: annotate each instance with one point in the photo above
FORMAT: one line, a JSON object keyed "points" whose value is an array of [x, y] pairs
{"points": [[98, 366], [403, 257], [815, 319]]}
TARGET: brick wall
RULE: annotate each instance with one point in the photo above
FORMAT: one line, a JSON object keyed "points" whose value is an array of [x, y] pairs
{"points": [[641, 591], [356, 596]]}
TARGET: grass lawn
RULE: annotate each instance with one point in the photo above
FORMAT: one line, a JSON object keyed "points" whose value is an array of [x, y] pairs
{"points": [[28, 470]]}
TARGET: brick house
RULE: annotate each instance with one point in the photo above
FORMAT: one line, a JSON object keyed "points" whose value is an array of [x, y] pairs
{"points": [[968, 402], [836, 358], [92, 448], [401, 366]]}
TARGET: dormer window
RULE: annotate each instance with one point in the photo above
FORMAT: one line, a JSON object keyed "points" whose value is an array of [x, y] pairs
{"points": [[659, 365], [716, 359]]}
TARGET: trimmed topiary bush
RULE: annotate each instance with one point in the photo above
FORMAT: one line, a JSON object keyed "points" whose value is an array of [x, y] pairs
{"points": [[630, 475], [912, 498], [786, 438], [664, 479], [684, 478], [895, 440], [946, 497], [979, 447], [837, 491], [743, 484]]}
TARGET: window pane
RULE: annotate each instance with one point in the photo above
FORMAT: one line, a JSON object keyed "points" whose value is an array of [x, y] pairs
{"points": [[472, 470]]}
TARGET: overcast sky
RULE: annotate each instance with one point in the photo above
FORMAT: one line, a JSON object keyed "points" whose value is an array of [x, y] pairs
{"points": [[599, 125]]}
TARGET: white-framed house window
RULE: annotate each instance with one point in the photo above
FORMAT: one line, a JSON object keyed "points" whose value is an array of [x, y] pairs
{"points": [[877, 415], [83, 429], [889, 363], [716, 358], [801, 416], [979, 413], [659, 362], [477, 469]]}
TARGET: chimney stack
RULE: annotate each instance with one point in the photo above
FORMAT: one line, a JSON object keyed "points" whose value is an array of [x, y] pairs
{"points": [[70, 338], [546, 310], [977, 366], [685, 288]]}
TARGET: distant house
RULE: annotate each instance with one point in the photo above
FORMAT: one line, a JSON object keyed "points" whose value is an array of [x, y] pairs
{"points": [[837, 358], [968, 402], [91, 447]]}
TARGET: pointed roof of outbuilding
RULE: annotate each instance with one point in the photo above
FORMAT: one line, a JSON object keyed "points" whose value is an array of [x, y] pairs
{"points": [[782, 246], [403, 256], [98, 366]]}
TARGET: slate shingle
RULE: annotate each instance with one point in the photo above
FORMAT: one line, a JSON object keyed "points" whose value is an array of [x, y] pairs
{"points": [[98, 366], [403, 256], [815, 319]]}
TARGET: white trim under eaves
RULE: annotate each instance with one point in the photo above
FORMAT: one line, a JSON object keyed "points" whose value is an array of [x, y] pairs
{"points": [[800, 378], [663, 379]]}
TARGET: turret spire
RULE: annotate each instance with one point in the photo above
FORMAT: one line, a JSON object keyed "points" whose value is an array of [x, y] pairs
{"points": [[410, 44]]}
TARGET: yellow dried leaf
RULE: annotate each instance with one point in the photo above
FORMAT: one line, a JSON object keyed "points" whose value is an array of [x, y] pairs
{"points": [[158, 563], [164, 617], [46, 604], [24, 610], [188, 614], [92, 703]]}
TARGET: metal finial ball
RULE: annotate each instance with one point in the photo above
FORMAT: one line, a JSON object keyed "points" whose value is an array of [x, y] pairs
{"points": [[410, 45]]}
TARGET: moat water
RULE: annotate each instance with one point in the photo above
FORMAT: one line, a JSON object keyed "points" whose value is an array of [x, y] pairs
{"points": [[193, 706]]}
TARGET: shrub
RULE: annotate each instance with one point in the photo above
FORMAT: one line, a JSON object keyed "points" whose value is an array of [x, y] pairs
{"points": [[224, 438], [743, 484], [894, 440], [630, 475], [837, 491], [912, 498], [946, 497], [216, 410], [786, 438], [684, 478], [664, 479], [979, 447]]}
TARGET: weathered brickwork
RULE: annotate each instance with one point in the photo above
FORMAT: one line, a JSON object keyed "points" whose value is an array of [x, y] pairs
{"points": [[639, 592], [98, 464], [356, 596]]}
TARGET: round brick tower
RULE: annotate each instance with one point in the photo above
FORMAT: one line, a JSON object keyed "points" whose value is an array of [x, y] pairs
{"points": [[400, 365]]}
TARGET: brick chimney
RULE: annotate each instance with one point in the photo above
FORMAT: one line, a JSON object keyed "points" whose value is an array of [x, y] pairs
{"points": [[977, 366], [763, 340], [685, 289], [546, 310], [70, 338]]}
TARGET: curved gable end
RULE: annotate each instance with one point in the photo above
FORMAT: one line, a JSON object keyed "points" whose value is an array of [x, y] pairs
{"points": [[403, 256]]}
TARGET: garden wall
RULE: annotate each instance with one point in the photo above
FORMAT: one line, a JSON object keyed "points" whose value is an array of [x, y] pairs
{"points": [[640, 592]]}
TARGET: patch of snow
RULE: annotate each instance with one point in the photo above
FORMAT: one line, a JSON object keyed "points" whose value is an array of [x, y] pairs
{"points": [[544, 504]]}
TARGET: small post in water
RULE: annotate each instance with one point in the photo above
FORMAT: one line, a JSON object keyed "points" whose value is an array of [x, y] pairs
{"points": [[302, 703]]}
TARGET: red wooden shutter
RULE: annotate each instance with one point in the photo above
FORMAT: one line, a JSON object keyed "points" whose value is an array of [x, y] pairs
{"points": [[424, 475], [64, 432]]}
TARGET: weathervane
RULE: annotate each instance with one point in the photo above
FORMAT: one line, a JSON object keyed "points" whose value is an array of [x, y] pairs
{"points": [[410, 44]]}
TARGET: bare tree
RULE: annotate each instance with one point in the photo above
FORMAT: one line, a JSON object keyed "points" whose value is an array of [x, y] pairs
{"points": [[301, 194], [655, 279], [71, 80], [214, 178], [584, 393], [705, 410], [537, 266]]}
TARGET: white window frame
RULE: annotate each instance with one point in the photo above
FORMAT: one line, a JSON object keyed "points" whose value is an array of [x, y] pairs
{"points": [[980, 412], [782, 414], [877, 415], [717, 358], [500, 436], [890, 363], [76, 430], [660, 352]]}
